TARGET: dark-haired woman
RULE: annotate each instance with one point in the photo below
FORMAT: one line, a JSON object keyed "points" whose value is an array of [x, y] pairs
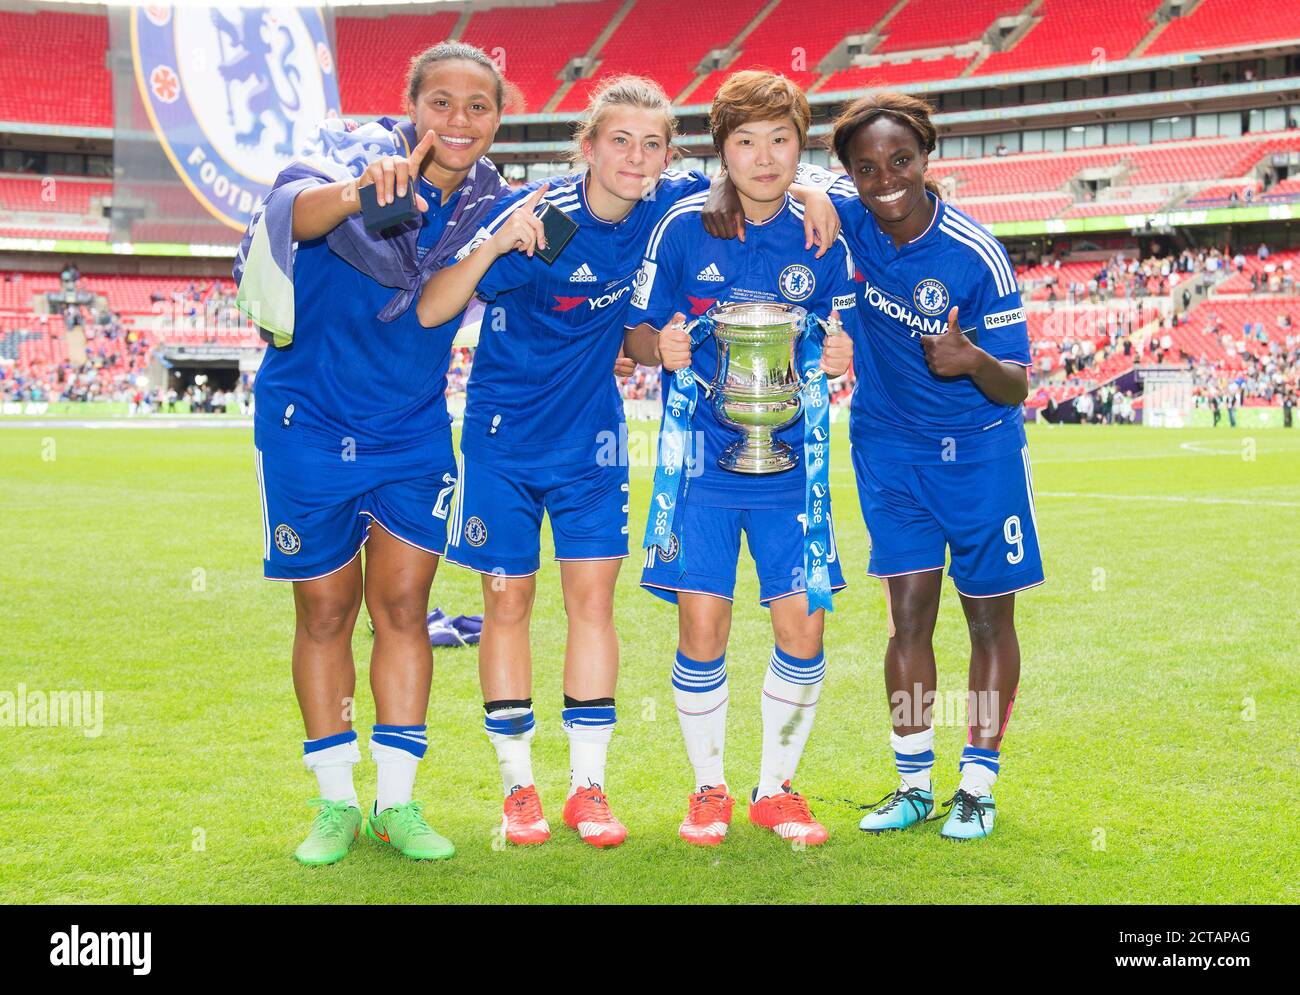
{"points": [[939, 446], [353, 437]]}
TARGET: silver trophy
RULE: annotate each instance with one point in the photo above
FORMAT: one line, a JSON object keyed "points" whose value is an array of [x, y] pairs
{"points": [[757, 386]]}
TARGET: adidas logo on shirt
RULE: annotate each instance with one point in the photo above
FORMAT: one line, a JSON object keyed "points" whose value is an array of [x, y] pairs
{"points": [[710, 274], [583, 274]]}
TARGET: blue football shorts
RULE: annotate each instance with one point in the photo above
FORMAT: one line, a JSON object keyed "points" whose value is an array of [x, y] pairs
{"points": [[496, 523], [318, 502], [980, 512], [705, 546]]}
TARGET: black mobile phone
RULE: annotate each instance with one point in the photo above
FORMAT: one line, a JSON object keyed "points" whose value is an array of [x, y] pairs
{"points": [[399, 212], [559, 228]]}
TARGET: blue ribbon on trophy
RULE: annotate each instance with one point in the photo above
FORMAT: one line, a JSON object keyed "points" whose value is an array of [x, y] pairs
{"points": [[816, 454], [672, 477], [769, 370]]}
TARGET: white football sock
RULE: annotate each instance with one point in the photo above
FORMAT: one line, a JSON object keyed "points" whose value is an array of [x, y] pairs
{"points": [[397, 751], [914, 758], [331, 759], [510, 731], [700, 692], [790, 692], [590, 728], [979, 770]]}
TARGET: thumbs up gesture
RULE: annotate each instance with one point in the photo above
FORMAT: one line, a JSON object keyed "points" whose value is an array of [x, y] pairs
{"points": [[950, 353]]}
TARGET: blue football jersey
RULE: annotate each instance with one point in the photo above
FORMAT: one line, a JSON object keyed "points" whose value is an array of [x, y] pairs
{"points": [[348, 375], [687, 270], [542, 390], [901, 411]]}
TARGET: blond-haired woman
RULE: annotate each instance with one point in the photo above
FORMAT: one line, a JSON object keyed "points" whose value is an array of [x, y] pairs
{"points": [[542, 425]]}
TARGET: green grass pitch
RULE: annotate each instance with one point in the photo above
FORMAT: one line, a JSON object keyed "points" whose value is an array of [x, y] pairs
{"points": [[1152, 756]]}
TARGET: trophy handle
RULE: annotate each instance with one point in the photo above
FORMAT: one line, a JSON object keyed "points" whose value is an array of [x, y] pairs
{"points": [[831, 325], [696, 343], [691, 325]]}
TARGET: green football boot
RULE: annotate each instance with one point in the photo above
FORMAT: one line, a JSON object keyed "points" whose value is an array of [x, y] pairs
{"points": [[403, 828], [969, 818], [332, 834]]}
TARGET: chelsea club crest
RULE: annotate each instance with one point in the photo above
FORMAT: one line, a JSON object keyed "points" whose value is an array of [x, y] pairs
{"points": [[287, 541], [232, 93], [796, 283], [931, 297]]}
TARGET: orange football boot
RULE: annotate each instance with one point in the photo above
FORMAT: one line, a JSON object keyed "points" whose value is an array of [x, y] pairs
{"points": [[587, 811], [708, 816], [522, 821], [787, 815]]}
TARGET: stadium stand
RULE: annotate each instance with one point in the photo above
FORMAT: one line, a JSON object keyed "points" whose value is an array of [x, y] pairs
{"points": [[1269, 273], [64, 195], [1075, 32], [1091, 319], [55, 231], [643, 44], [535, 69], [54, 69], [1108, 207], [373, 53], [1288, 189], [927, 24], [1216, 24], [894, 73], [988, 212], [1220, 194], [819, 25]]}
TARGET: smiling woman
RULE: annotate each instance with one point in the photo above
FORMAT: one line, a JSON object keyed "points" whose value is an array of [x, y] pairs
{"points": [[939, 451], [541, 403], [353, 437]]}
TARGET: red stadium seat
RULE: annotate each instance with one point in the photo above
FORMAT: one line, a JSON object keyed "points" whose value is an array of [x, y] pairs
{"points": [[665, 40], [926, 24], [373, 55], [1223, 23], [988, 212], [894, 74], [54, 69], [570, 30], [797, 33], [52, 194], [1076, 32]]}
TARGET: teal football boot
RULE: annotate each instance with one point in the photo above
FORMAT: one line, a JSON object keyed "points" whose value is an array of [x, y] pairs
{"points": [[969, 818], [900, 810]]}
